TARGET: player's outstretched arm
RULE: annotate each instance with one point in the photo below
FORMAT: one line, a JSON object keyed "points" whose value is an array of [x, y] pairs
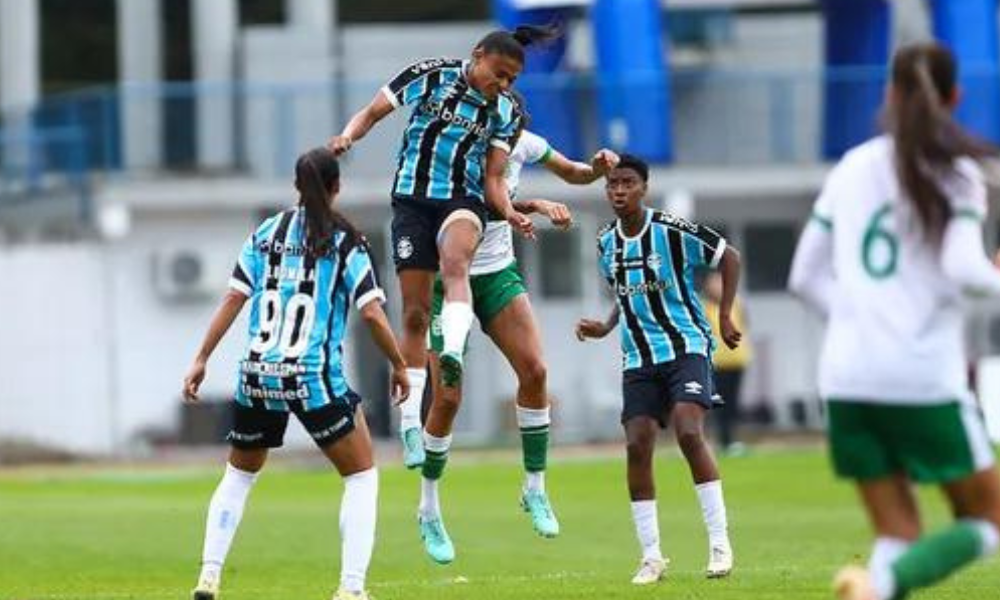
{"points": [[580, 173], [557, 212], [592, 328], [361, 123], [222, 320], [378, 325], [729, 267]]}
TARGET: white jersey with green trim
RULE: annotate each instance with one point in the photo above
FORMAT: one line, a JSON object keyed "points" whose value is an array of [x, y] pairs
{"points": [[496, 252], [896, 330]]}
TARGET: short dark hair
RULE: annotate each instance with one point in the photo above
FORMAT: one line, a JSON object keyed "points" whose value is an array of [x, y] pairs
{"points": [[629, 161]]}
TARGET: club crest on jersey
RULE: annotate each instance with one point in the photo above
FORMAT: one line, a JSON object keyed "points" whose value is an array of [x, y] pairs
{"points": [[404, 247], [654, 261]]}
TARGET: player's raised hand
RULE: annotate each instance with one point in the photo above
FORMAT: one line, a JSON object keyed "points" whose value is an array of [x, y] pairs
{"points": [[591, 328], [339, 144], [604, 161], [192, 381], [522, 223], [731, 335]]}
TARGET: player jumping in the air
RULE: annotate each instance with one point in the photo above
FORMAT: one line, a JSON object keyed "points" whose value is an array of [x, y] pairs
{"points": [[501, 303]]}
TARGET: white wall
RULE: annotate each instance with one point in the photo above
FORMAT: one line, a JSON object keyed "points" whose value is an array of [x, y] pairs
{"points": [[54, 363]]}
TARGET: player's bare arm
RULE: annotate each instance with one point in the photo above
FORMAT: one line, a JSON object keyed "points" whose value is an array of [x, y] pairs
{"points": [[361, 123], [378, 325], [595, 329], [581, 173], [729, 266], [230, 307], [498, 197]]}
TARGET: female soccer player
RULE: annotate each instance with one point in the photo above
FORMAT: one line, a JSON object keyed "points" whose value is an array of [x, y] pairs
{"points": [[648, 258], [450, 169], [894, 240], [500, 301], [301, 269]]}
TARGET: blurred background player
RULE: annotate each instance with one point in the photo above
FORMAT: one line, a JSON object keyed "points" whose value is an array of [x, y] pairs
{"points": [[451, 167], [648, 257], [729, 365], [301, 269], [895, 238], [500, 301]]}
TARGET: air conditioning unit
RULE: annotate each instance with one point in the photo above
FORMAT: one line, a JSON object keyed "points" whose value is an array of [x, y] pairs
{"points": [[187, 274]]}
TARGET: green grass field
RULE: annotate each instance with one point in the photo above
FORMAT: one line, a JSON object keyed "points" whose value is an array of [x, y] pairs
{"points": [[126, 533]]}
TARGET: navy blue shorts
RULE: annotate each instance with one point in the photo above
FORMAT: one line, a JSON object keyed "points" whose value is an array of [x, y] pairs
{"points": [[258, 427], [415, 226], [653, 391]]}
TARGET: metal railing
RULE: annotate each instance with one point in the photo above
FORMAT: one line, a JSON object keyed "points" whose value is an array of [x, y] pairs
{"points": [[719, 117]]}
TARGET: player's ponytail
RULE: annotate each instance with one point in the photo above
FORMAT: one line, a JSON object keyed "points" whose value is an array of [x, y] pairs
{"points": [[317, 177], [513, 43], [927, 139]]}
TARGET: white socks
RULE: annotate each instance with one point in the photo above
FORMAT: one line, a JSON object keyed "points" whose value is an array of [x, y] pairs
{"points": [[409, 410], [437, 452], [224, 514], [456, 320], [713, 510], [357, 527], [647, 528], [885, 551]]}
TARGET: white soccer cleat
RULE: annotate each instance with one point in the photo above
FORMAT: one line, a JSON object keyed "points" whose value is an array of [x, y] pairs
{"points": [[854, 583], [650, 571], [720, 561], [343, 594], [207, 589]]}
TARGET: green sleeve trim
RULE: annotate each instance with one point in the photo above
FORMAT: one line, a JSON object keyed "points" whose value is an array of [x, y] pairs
{"points": [[968, 213], [822, 221], [546, 156]]}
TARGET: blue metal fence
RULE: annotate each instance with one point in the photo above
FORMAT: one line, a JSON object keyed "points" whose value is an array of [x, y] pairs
{"points": [[719, 117]]}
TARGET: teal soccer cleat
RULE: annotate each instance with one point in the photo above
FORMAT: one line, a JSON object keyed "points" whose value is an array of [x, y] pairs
{"points": [[536, 503], [436, 541]]}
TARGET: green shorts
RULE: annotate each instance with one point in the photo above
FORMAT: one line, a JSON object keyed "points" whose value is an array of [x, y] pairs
{"points": [[929, 443], [491, 293]]}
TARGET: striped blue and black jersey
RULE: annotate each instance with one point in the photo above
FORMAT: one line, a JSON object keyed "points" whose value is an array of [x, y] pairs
{"points": [[443, 154], [298, 312], [652, 276]]}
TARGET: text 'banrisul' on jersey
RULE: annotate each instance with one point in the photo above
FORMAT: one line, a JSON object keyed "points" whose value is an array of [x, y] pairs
{"points": [[652, 276], [443, 155]]}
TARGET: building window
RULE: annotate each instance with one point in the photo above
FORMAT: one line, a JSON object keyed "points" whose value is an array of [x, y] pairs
{"points": [[768, 256], [262, 12], [560, 264]]}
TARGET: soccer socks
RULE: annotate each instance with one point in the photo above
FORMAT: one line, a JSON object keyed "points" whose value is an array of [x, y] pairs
{"points": [[534, 426], [885, 551], [357, 527], [409, 410], [437, 456], [647, 528], [713, 510], [934, 557], [456, 320], [224, 513]]}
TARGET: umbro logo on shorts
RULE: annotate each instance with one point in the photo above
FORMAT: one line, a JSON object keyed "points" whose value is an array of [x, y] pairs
{"points": [[692, 387]]}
